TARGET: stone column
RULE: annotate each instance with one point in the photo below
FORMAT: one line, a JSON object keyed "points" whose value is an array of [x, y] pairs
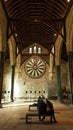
{"points": [[2, 55], [3, 39], [58, 72], [12, 82], [70, 59], [12, 51]]}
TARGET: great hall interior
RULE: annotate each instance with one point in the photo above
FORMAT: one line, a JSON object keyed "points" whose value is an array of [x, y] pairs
{"points": [[36, 50]]}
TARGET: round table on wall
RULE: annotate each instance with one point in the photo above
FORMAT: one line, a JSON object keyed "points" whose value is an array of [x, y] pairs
{"points": [[35, 67]]}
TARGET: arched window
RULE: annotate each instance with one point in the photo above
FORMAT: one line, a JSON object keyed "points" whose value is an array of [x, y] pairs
{"points": [[30, 50], [35, 50], [39, 50]]}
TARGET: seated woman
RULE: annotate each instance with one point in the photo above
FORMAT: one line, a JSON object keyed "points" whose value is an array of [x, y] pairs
{"points": [[50, 110]]}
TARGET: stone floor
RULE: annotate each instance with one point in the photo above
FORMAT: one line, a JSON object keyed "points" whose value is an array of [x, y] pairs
{"points": [[12, 117]]}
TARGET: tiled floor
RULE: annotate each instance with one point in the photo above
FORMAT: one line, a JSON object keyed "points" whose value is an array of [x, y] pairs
{"points": [[12, 117]]}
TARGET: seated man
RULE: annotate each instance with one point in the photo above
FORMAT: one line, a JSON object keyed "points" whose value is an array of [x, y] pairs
{"points": [[41, 106]]}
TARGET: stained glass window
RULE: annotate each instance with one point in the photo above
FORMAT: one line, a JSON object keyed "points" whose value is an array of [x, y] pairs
{"points": [[39, 50], [30, 50], [34, 49]]}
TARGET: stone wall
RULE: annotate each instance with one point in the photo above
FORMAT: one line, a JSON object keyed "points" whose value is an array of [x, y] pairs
{"points": [[26, 87]]}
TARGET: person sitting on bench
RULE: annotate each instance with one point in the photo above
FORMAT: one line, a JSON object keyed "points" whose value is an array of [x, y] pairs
{"points": [[42, 109], [50, 110], [41, 106]]}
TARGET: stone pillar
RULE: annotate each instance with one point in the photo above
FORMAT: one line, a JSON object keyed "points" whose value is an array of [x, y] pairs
{"points": [[12, 51], [12, 82], [3, 39], [2, 55], [70, 59], [58, 72]]}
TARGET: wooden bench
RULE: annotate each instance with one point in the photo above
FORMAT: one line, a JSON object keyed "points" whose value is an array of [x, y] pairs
{"points": [[32, 105], [34, 114]]}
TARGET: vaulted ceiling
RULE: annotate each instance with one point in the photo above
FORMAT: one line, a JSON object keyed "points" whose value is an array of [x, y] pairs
{"points": [[36, 21]]}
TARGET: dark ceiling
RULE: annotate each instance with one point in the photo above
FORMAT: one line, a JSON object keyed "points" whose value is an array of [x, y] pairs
{"points": [[36, 21]]}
